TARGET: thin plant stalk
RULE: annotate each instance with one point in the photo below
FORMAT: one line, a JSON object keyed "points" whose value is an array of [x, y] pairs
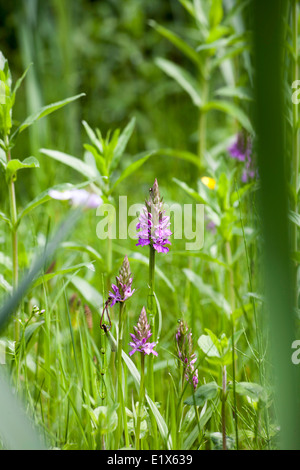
{"points": [[151, 310], [141, 402], [14, 235], [224, 380], [232, 303], [121, 410]]}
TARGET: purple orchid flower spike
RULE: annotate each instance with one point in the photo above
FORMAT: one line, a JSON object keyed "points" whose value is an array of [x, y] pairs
{"points": [[142, 334], [122, 290], [185, 353], [241, 150], [153, 225]]}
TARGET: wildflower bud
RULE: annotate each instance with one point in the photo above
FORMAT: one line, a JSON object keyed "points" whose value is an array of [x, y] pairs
{"points": [[185, 353], [122, 290], [88, 316]]}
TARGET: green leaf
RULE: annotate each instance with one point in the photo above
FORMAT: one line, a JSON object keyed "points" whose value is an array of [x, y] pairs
{"points": [[253, 390], [203, 393], [294, 217], [44, 112], [187, 50], [183, 78], [82, 247], [208, 346], [93, 138], [14, 165], [199, 254], [20, 80], [5, 218], [206, 290], [28, 335], [235, 92], [88, 292], [232, 110], [216, 13], [47, 277], [181, 154], [131, 169], [122, 143], [190, 191], [75, 163]]}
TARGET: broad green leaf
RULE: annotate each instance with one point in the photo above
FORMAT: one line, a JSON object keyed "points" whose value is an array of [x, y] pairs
{"points": [[190, 191], [235, 92], [216, 13], [200, 255], [253, 390], [82, 247], [14, 165], [75, 163], [203, 393], [181, 154], [131, 169], [177, 41], [122, 143], [232, 110], [207, 291], [99, 160], [93, 138], [209, 348], [294, 217], [88, 292], [183, 78], [70, 269], [44, 112]]}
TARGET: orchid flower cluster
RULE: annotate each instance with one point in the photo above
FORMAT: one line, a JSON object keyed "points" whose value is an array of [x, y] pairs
{"points": [[142, 334], [153, 225], [185, 353], [122, 290], [241, 150]]}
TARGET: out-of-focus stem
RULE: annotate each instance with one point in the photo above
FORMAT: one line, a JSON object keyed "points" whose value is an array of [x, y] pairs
{"points": [[121, 411], [141, 402], [295, 162], [232, 304], [224, 380], [14, 236]]}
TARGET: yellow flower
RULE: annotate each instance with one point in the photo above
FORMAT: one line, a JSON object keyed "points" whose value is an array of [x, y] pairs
{"points": [[209, 182]]}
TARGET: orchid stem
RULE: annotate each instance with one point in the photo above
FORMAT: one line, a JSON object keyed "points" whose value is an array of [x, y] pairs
{"points": [[151, 312], [141, 402], [121, 410]]}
